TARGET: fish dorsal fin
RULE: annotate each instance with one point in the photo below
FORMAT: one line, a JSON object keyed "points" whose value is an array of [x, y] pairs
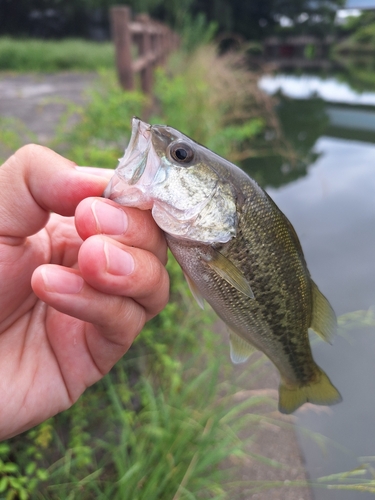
{"points": [[324, 322], [230, 273], [240, 350], [195, 292]]}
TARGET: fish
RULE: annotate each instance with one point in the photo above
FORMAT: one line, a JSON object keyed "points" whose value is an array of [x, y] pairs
{"points": [[238, 252]]}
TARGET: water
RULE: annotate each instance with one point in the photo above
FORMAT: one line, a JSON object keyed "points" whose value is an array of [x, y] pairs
{"points": [[329, 197], [306, 86]]}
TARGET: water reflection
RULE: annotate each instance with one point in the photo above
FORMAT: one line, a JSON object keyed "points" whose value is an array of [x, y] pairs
{"points": [[302, 123], [308, 108], [307, 86], [329, 198], [333, 211]]}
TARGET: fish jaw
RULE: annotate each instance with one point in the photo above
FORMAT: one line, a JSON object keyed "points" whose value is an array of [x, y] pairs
{"points": [[130, 185], [147, 179]]}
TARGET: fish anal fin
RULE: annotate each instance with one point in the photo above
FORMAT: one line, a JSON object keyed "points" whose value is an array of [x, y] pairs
{"points": [[194, 291], [240, 349], [319, 392], [324, 322], [230, 273]]}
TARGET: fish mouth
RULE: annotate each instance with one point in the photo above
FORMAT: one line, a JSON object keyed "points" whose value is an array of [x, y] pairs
{"points": [[136, 170]]}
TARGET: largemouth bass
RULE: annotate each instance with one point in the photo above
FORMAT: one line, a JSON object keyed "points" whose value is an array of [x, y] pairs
{"points": [[237, 250]]}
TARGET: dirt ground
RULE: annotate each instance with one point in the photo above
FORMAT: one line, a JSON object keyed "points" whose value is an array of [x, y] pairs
{"points": [[39, 101]]}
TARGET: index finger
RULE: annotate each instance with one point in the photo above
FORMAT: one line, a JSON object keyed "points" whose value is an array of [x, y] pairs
{"points": [[106, 173], [36, 181]]}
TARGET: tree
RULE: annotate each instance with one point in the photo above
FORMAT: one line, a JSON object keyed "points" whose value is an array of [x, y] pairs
{"points": [[253, 19]]}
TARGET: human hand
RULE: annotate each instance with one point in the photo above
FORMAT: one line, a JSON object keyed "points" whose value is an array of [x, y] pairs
{"points": [[75, 290]]}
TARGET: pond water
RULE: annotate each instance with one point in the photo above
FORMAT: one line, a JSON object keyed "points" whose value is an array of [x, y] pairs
{"points": [[329, 196]]}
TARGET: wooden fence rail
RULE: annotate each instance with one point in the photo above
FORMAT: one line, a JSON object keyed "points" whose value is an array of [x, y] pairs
{"points": [[150, 40]]}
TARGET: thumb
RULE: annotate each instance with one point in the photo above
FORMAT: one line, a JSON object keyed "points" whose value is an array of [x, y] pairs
{"points": [[36, 181]]}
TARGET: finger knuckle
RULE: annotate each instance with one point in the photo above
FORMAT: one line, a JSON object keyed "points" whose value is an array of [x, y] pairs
{"points": [[155, 273]]}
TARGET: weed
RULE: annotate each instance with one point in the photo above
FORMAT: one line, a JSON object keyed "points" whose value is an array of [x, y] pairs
{"points": [[13, 134]]}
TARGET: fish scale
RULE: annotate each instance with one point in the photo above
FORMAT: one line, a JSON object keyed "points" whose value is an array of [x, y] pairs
{"points": [[238, 251]]}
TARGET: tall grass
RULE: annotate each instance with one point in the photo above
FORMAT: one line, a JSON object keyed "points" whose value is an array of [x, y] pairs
{"points": [[46, 56], [169, 448]]}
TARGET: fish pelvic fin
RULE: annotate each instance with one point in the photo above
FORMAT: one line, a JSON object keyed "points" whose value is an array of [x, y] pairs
{"points": [[324, 322], [194, 291], [240, 350], [319, 392]]}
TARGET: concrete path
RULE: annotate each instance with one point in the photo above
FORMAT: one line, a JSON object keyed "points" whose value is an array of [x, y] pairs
{"points": [[40, 100]]}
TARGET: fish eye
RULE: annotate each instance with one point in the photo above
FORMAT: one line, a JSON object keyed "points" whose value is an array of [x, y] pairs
{"points": [[181, 152]]}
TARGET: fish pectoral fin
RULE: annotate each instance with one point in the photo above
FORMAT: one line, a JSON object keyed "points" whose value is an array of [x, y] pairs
{"points": [[195, 292], [319, 392], [324, 322], [240, 349], [230, 273]]}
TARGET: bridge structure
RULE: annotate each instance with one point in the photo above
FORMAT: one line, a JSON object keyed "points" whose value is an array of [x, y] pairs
{"points": [[298, 52]]}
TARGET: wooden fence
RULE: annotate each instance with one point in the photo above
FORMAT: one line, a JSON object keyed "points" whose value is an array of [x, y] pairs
{"points": [[140, 46]]}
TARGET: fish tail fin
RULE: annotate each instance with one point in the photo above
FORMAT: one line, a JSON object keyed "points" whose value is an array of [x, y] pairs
{"points": [[319, 392]]}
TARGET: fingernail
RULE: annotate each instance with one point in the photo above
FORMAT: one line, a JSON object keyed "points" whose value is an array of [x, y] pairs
{"points": [[61, 281], [119, 262], [109, 219], [99, 172]]}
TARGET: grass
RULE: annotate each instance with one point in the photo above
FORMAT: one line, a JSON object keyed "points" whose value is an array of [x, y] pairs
{"points": [[13, 134], [47, 56]]}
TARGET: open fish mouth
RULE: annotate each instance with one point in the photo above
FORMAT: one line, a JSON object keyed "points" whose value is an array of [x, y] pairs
{"points": [[149, 177], [136, 170]]}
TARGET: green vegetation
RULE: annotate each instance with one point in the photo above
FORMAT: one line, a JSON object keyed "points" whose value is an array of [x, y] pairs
{"points": [[46, 56], [357, 70], [196, 31], [355, 52], [365, 35], [214, 100], [13, 135], [359, 29], [104, 126]]}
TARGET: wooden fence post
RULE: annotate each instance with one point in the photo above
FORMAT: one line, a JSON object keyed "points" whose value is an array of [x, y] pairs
{"points": [[145, 48], [122, 37], [154, 40]]}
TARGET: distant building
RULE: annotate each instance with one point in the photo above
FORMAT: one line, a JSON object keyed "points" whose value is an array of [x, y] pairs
{"points": [[303, 52]]}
